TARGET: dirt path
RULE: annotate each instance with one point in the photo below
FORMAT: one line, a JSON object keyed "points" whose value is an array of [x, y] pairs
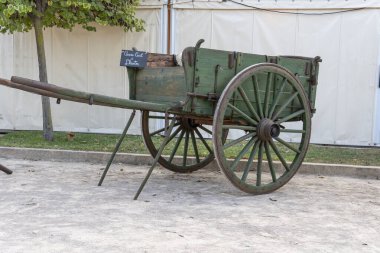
{"points": [[57, 207]]}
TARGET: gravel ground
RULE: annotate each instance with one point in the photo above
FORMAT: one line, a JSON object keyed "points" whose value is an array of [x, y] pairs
{"points": [[57, 207]]}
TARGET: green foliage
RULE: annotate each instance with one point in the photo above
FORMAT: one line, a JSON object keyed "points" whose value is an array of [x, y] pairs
{"points": [[18, 15]]}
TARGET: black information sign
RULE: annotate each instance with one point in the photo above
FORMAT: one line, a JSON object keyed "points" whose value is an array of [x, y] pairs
{"points": [[133, 59]]}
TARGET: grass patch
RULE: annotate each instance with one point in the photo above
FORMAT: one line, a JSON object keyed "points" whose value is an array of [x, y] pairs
{"points": [[81, 141], [135, 144]]}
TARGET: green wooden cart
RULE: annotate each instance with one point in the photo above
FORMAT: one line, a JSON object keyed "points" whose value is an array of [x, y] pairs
{"points": [[251, 112]]}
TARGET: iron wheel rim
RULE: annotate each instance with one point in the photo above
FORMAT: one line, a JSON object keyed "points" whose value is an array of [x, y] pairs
{"points": [[261, 145]]}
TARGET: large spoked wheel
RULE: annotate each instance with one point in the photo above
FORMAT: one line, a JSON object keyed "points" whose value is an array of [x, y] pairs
{"points": [[266, 107], [188, 138]]}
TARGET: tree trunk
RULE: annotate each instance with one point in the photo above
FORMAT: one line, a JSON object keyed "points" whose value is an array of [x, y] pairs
{"points": [[46, 111]]}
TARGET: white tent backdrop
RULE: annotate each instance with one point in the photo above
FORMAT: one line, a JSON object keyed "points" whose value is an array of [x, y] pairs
{"points": [[80, 60], [348, 43]]}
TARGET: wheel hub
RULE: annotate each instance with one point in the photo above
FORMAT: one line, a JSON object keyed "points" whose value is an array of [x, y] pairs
{"points": [[188, 124], [267, 129]]}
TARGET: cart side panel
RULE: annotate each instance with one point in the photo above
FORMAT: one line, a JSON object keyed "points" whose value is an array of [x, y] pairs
{"points": [[209, 71], [306, 70], [158, 84], [213, 71], [244, 60], [206, 72]]}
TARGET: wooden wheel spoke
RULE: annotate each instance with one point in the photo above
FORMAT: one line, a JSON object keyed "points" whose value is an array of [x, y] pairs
{"points": [[185, 150], [270, 162], [267, 93], [275, 149], [174, 134], [293, 115], [248, 103], [259, 165], [203, 140], [245, 116], [242, 153], [195, 146], [293, 131], [257, 96], [163, 129], [176, 145], [240, 139], [277, 98], [284, 105], [205, 129], [248, 167], [246, 128], [287, 145]]}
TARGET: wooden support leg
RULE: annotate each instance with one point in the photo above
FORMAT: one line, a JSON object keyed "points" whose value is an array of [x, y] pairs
{"points": [[156, 158], [117, 147]]}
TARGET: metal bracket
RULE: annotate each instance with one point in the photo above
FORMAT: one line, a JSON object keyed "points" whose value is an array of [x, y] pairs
{"points": [[190, 58], [211, 96], [273, 60], [317, 59], [196, 81], [217, 69], [313, 78], [198, 45], [307, 68], [166, 122], [231, 60]]}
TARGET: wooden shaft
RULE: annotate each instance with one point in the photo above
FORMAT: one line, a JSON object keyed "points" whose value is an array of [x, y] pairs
{"points": [[5, 169], [83, 97]]}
